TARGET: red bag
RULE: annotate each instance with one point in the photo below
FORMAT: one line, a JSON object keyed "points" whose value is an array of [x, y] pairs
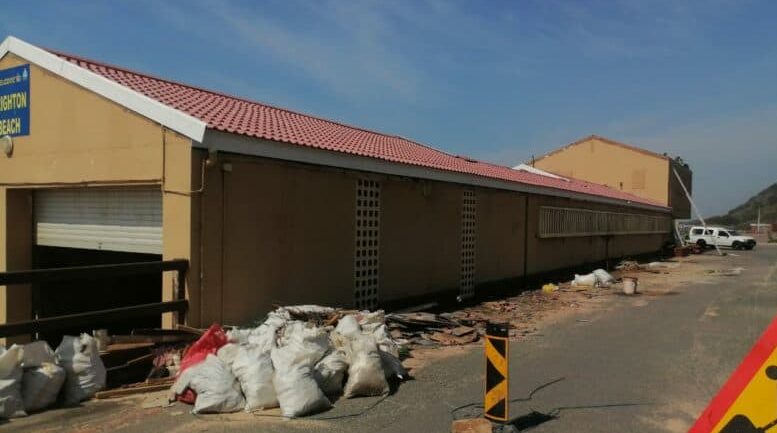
{"points": [[210, 342]]}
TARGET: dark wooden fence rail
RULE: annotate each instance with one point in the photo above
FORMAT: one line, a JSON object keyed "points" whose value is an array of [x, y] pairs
{"points": [[35, 276]]}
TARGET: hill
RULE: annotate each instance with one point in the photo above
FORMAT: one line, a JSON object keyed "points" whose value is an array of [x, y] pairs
{"points": [[747, 213]]}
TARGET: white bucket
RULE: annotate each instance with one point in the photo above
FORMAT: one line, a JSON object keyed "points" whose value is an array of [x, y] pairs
{"points": [[630, 285]]}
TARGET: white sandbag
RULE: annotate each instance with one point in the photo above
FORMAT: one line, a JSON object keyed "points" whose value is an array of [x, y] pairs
{"points": [[217, 389], [384, 340], [238, 335], [365, 373], [308, 342], [297, 390], [11, 403], [227, 353], [85, 372], [392, 366], [253, 368], [348, 326], [584, 280], [277, 318], [263, 337], [603, 276], [41, 385], [308, 310], [330, 372], [370, 321], [38, 353]]}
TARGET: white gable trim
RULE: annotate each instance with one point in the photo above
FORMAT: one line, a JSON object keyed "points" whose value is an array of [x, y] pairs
{"points": [[165, 115]]}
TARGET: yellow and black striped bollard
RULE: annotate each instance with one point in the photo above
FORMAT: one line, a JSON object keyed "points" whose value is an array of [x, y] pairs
{"points": [[497, 348]]}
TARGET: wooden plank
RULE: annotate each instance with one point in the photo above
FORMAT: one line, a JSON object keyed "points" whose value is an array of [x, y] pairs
{"points": [[161, 381], [449, 340], [462, 330], [87, 319], [189, 329], [141, 359], [128, 346], [130, 390]]}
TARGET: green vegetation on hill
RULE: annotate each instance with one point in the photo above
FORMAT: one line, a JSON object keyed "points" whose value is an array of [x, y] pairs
{"points": [[747, 213]]}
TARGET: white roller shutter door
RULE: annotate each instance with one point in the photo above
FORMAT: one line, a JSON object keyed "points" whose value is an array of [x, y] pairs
{"points": [[114, 219]]}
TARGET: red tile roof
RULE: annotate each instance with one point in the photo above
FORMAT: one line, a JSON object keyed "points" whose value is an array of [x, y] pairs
{"points": [[240, 116]]}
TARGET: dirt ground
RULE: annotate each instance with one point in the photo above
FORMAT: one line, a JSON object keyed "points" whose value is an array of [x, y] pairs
{"points": [[532, 311], [531, 314]]}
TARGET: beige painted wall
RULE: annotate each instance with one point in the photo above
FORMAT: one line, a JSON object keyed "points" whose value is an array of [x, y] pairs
{"points": [[546, 254], [500, 235], [77, 136], [420, 238], [283, 233], [15, 254], [621, 168], [209, 206], [288, 233], [180, 220], [288, 237]]}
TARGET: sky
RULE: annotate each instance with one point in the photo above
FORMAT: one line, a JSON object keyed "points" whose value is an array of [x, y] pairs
{"points": [[500, 81]]}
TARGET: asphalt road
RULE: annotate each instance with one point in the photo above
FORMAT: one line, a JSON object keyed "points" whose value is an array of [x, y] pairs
{"points": [[637, 364]]}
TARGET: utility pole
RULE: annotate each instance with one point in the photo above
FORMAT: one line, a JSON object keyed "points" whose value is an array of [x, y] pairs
{"points": [[693, 205]]}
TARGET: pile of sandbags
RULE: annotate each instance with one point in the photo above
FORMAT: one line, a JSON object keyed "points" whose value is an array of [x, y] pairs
{"points": [[33, 377], [291, 361]]}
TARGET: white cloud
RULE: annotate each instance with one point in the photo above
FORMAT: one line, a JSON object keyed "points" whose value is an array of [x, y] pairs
{"points": [[345, 47]]}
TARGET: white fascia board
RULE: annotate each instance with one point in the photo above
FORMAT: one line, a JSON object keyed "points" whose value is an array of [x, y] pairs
{"points": [[176, 120], [244, 145]]}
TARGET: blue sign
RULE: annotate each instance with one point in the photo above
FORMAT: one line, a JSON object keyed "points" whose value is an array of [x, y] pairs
{"points": [[15, 101]]}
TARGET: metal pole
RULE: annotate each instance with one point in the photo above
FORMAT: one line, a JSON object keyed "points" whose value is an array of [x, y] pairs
{"points": [[701, 218]]}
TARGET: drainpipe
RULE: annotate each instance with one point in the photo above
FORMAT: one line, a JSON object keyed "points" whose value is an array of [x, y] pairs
{"points": [[525, 238]]}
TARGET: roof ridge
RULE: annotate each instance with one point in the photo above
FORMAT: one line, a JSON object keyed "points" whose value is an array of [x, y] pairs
{"points": [[608, 141], [227, 95], [630, 146]]}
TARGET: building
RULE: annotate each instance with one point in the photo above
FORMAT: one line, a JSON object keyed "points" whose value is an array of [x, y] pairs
{"points": [[624, 167], [268, 205]]}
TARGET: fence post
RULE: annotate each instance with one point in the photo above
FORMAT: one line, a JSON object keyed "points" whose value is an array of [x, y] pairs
{"points": [[180, 290]]}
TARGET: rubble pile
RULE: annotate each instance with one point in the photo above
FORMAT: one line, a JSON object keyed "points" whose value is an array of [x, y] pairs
{"points": [[652, 267], [300, 359]]}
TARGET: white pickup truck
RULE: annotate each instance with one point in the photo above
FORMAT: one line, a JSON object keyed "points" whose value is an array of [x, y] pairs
{"points": [[720, 236]]}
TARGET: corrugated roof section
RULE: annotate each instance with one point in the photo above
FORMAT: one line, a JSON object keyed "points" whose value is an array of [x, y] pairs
{"points": [[240, 116]]}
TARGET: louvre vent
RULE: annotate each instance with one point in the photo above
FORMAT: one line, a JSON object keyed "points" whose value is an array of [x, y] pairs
{"points": [[566, 222]]}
